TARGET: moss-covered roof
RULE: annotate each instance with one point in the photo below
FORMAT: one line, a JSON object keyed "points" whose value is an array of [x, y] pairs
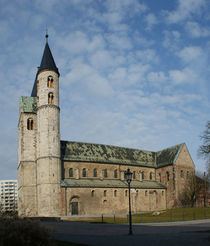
{"points": [[88, 152], [110, 183], [76, 151], [28, 104]]}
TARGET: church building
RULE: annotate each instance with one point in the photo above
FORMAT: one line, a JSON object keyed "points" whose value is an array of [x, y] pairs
{"points": [[62, 178]]}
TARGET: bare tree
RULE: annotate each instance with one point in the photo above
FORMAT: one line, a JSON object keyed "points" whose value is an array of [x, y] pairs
{"points": [[204, 149], [191, 191]]}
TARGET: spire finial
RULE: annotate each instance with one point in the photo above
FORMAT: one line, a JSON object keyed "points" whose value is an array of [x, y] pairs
{"points": [[46, 36]]}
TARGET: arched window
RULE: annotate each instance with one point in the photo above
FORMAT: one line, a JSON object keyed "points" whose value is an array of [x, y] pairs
{"points": [[105, 173], [115, 173], [50, 98], [150, 176], [50, 82], [94, 172], [92, 193], [104, 193], [142, 175], [134, 174], [160, 177], [126, 193], [70, 172], [30, 124], [84, 172], [181, 174], [115, 193], [168, 176]]}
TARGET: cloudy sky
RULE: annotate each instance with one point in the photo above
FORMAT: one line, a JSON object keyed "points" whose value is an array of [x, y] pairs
{"points": [[134, 73]]}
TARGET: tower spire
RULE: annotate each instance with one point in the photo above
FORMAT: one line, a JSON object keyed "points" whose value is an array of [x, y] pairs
{"points": [[46, 36]]}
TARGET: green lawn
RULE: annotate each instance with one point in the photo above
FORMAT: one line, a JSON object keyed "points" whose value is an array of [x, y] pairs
{"points": [[176, 214]]}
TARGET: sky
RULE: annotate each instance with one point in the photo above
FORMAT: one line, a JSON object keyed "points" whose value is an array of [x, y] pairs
{"points": [[133, 73]]}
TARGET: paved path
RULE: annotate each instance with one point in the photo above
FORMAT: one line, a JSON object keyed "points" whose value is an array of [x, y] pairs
{"points": [[170, 234]]}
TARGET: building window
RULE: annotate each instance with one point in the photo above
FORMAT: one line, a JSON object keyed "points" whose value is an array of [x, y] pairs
{"points": [[94, 172], [146, 193], [167, 176], [50, 82], [30, 124], [160, 177], [115, 193], [181, 174], [92, 193], [134, 174], [50, 98], [70, 172], [105, 173], [142, 175], [104, 193], [126, 193], [84, 172], [162, 193], [150, 176], [115, 173]]}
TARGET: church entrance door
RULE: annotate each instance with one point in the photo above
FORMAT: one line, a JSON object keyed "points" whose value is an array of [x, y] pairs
{"points": [[74, 208]]}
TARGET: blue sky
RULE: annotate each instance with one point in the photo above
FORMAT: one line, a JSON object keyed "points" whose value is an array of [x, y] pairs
{"points": [[133, 73]]}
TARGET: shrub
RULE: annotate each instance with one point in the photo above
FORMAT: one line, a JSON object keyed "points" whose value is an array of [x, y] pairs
{"points": [[23, 232]]}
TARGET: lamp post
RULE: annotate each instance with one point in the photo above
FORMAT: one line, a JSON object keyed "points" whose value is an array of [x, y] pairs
{"points": [[128, 176]]}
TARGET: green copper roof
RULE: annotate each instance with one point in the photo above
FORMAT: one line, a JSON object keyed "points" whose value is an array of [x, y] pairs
{"points": [[28, 104], [111, 183], [76, 151], [87, 152]]}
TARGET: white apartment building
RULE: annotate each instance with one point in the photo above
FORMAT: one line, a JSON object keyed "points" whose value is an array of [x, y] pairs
{"points": [[8, 195]]}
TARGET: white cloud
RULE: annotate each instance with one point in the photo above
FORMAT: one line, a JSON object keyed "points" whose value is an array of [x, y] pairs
{"points": [[191, 54], [185, 9], [183, 76], [150, 20], [157, 78], [197, 31]]}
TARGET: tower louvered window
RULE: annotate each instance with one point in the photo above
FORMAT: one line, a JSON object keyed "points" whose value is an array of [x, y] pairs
{"points": [[30, 124], [50, 98], [50, 82]]}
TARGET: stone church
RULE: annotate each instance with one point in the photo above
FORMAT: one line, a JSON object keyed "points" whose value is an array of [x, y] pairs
{"points": [[63, 178]]}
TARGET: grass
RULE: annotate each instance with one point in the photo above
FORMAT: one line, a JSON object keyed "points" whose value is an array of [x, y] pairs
{"points": [[177, 214]]}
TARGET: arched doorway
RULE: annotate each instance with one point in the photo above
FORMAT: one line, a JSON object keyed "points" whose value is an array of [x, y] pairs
{"points": [[74, 205]]}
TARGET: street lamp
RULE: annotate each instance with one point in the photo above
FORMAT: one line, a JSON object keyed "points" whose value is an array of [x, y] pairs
{"points": [[128, 176]]}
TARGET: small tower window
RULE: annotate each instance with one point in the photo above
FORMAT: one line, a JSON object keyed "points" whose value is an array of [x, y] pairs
{"points": [[181, 174], [84, 172], [150, 176], [95, 172], [115, 193], [115, 173], [70, 172], [92, 193], [50, 98], [50, 82], [134, 174], [167, 176], [105, 173], [104, 193], [30, 124], [142, 175]]}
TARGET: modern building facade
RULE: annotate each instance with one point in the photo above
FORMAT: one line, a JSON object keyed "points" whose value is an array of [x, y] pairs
{"points": [[57, 178], [8, 195]]}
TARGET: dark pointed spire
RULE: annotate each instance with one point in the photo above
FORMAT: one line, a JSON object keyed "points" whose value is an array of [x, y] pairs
{"points": [[47, 62]]}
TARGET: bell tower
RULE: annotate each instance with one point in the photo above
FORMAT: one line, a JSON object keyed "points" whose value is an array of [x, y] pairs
{"points": [[46, 90]]}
